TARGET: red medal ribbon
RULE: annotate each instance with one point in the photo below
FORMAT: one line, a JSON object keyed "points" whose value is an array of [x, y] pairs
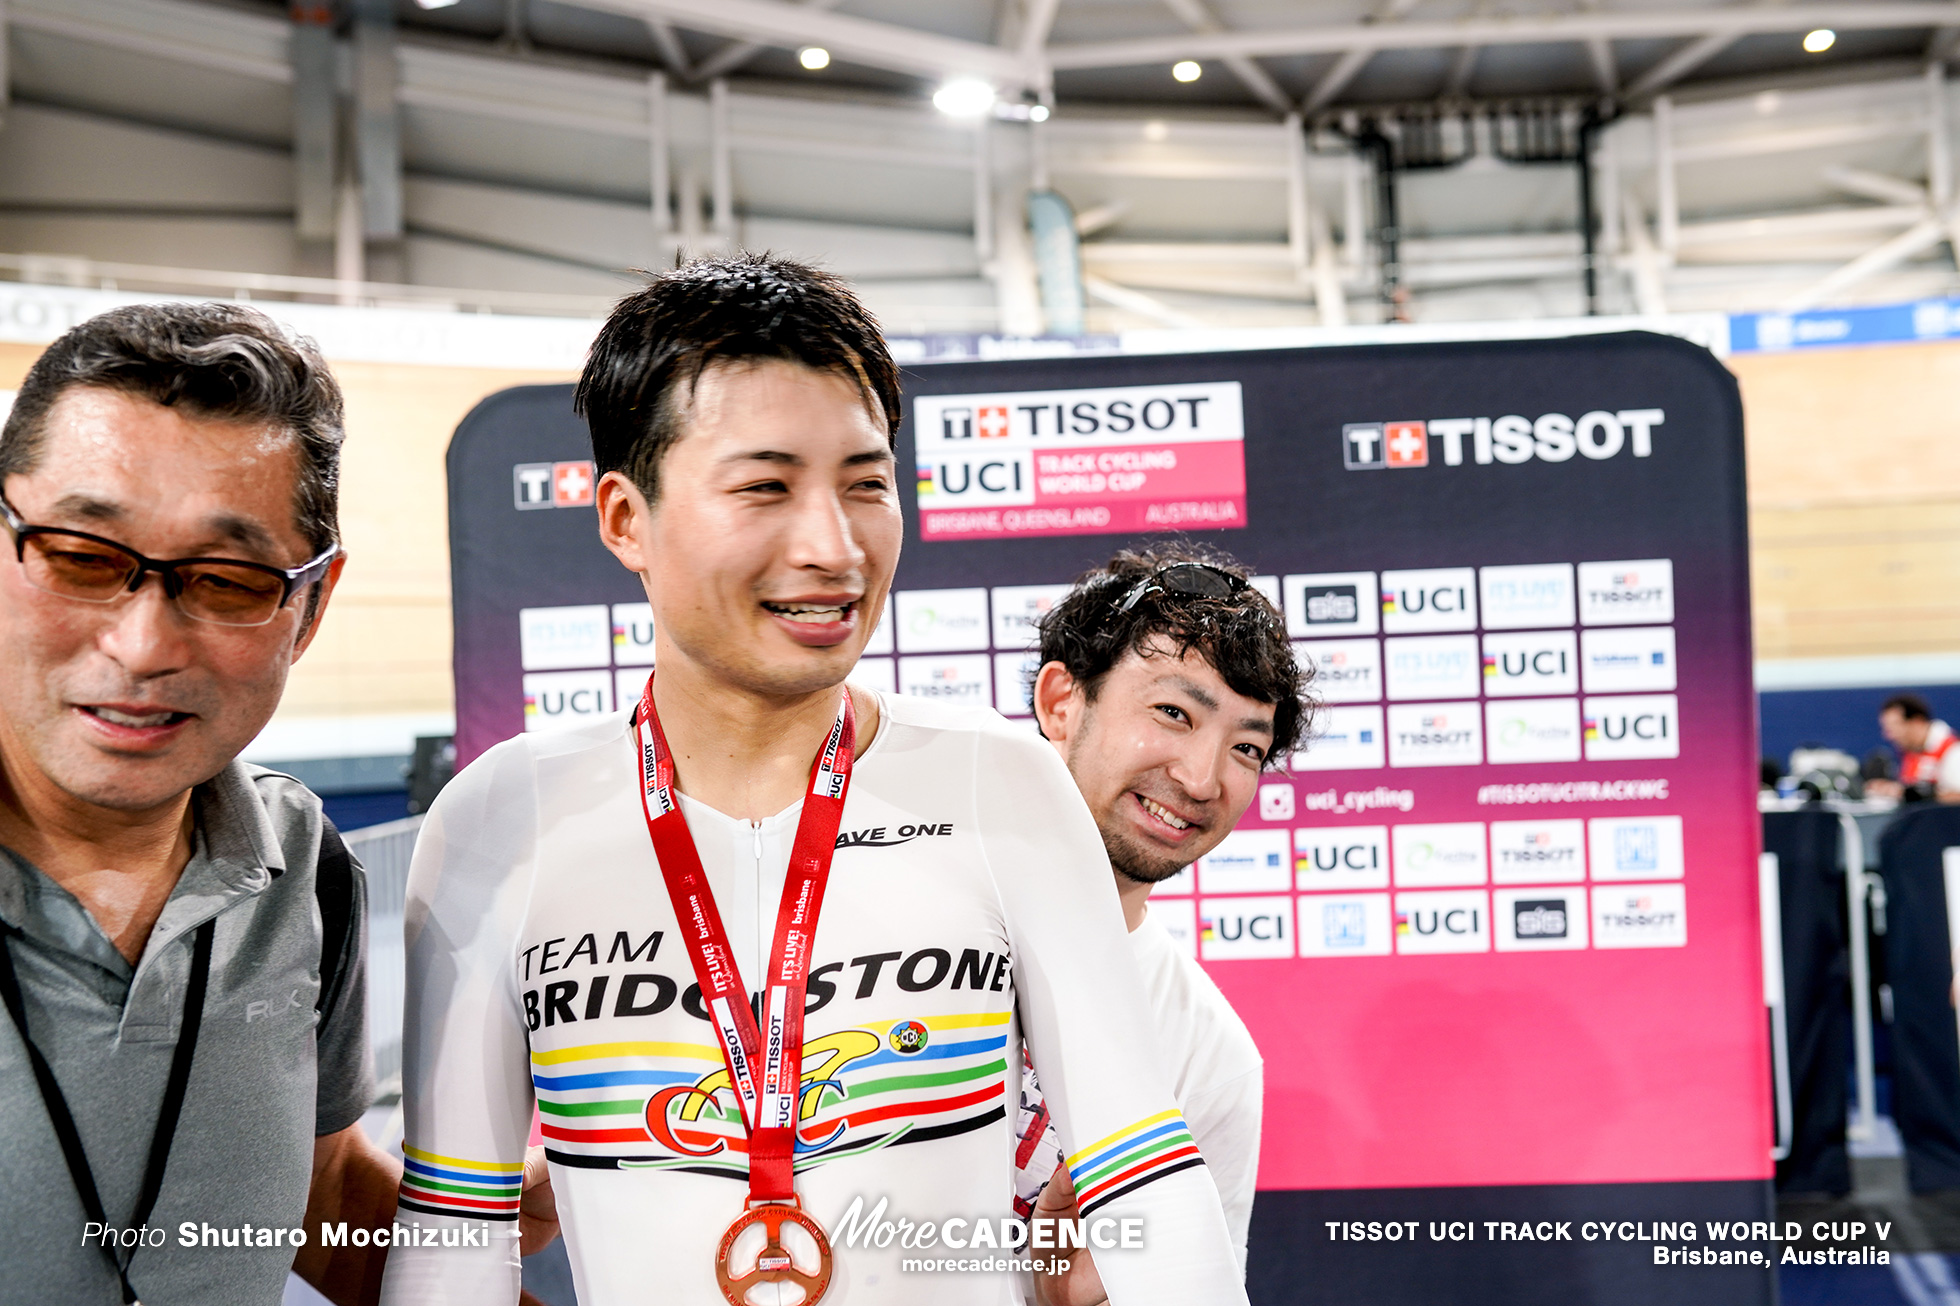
{"points": [[768, 1099]]}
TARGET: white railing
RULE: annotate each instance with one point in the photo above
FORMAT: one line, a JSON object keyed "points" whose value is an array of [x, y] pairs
{"points": [[384, 851]]}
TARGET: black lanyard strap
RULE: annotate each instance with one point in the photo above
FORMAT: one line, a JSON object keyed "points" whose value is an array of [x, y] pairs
{"points": [[173, 1094]]}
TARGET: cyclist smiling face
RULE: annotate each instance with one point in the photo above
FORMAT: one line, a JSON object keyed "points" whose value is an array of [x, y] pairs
{"points": [[1166, 754]]}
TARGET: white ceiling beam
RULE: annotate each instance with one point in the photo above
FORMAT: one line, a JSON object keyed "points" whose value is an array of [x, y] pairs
{"points": [[268, 68], [1335, 80], [1135, 301], [1090, 221], [1259, 82], [1254, 78], [1350, 64], [1606, 72], [1876, 186], [1679, 64], [736, 53], [1538, 29], [858, 40], [1921, 236], [673, 55], [1035, 27]]}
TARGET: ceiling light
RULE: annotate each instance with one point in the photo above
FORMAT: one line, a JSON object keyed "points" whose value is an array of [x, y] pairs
{"points": [[813, 57], [1037, 113], [964, 97], [435, 4], [1187, 70], [1819, 41]]}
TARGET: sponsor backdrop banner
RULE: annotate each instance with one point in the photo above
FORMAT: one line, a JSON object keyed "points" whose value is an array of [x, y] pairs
{"points": [[1494, 928]]}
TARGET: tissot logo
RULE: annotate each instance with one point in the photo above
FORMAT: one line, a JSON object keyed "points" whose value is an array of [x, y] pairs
{"points": [[1438, 734], [881, 837], [1640, 916], [1120, 414], [1344, 670], [552, 485], [531, 484], [1537, 852], [988, 422], [1626, 593], [1511, 439], [1361, 446]]}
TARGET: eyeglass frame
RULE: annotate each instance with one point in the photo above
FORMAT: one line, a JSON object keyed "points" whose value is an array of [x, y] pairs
{"points": [[1236, 585], [293, 579]]}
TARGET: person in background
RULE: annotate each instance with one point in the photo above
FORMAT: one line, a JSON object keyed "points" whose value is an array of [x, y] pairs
{"points": [[1168, 687], [181, 935], [1929, 761]]}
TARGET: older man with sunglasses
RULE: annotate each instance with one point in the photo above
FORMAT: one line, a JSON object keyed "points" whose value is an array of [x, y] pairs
{"points": [[183, 1065]]}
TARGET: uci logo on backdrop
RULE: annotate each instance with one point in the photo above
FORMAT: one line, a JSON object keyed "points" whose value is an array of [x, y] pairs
{"points": [[1351, 857], [1551, 438]]}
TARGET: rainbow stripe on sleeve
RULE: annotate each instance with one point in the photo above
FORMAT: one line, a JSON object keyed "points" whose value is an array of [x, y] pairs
{"points": [[1131, 1157], [448, 1185]]}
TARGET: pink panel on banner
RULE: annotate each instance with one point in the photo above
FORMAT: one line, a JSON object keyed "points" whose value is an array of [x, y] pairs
{"points": [[1529, 1066], [1080, 462]]}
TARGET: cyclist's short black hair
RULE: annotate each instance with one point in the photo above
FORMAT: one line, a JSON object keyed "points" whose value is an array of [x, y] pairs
{"points": [[1243, 637], [745, 307]]}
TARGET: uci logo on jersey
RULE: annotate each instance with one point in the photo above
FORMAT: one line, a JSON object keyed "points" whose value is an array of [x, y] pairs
{"points": [[908, 1038]]}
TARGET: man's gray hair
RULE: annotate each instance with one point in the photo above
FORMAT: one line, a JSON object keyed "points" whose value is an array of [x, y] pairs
{"points": [[223, 361]]}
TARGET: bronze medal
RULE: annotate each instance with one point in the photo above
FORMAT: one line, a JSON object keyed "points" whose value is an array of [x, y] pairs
{"points": [[774, 1263]]}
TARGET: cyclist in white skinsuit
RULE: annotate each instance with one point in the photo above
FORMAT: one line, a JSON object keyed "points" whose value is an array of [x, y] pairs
{"points": [[969, 906], [536, 862]]}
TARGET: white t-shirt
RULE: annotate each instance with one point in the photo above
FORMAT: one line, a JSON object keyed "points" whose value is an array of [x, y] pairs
{"points": [[1216, 1072], [1945, 772], [969, 906]]}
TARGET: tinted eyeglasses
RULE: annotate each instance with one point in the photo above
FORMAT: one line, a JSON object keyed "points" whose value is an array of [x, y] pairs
{"points": [[91, 569], [1189, 579]]}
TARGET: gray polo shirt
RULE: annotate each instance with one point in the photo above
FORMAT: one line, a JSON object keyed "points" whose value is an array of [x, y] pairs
{"points": [[265, 1081]]}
